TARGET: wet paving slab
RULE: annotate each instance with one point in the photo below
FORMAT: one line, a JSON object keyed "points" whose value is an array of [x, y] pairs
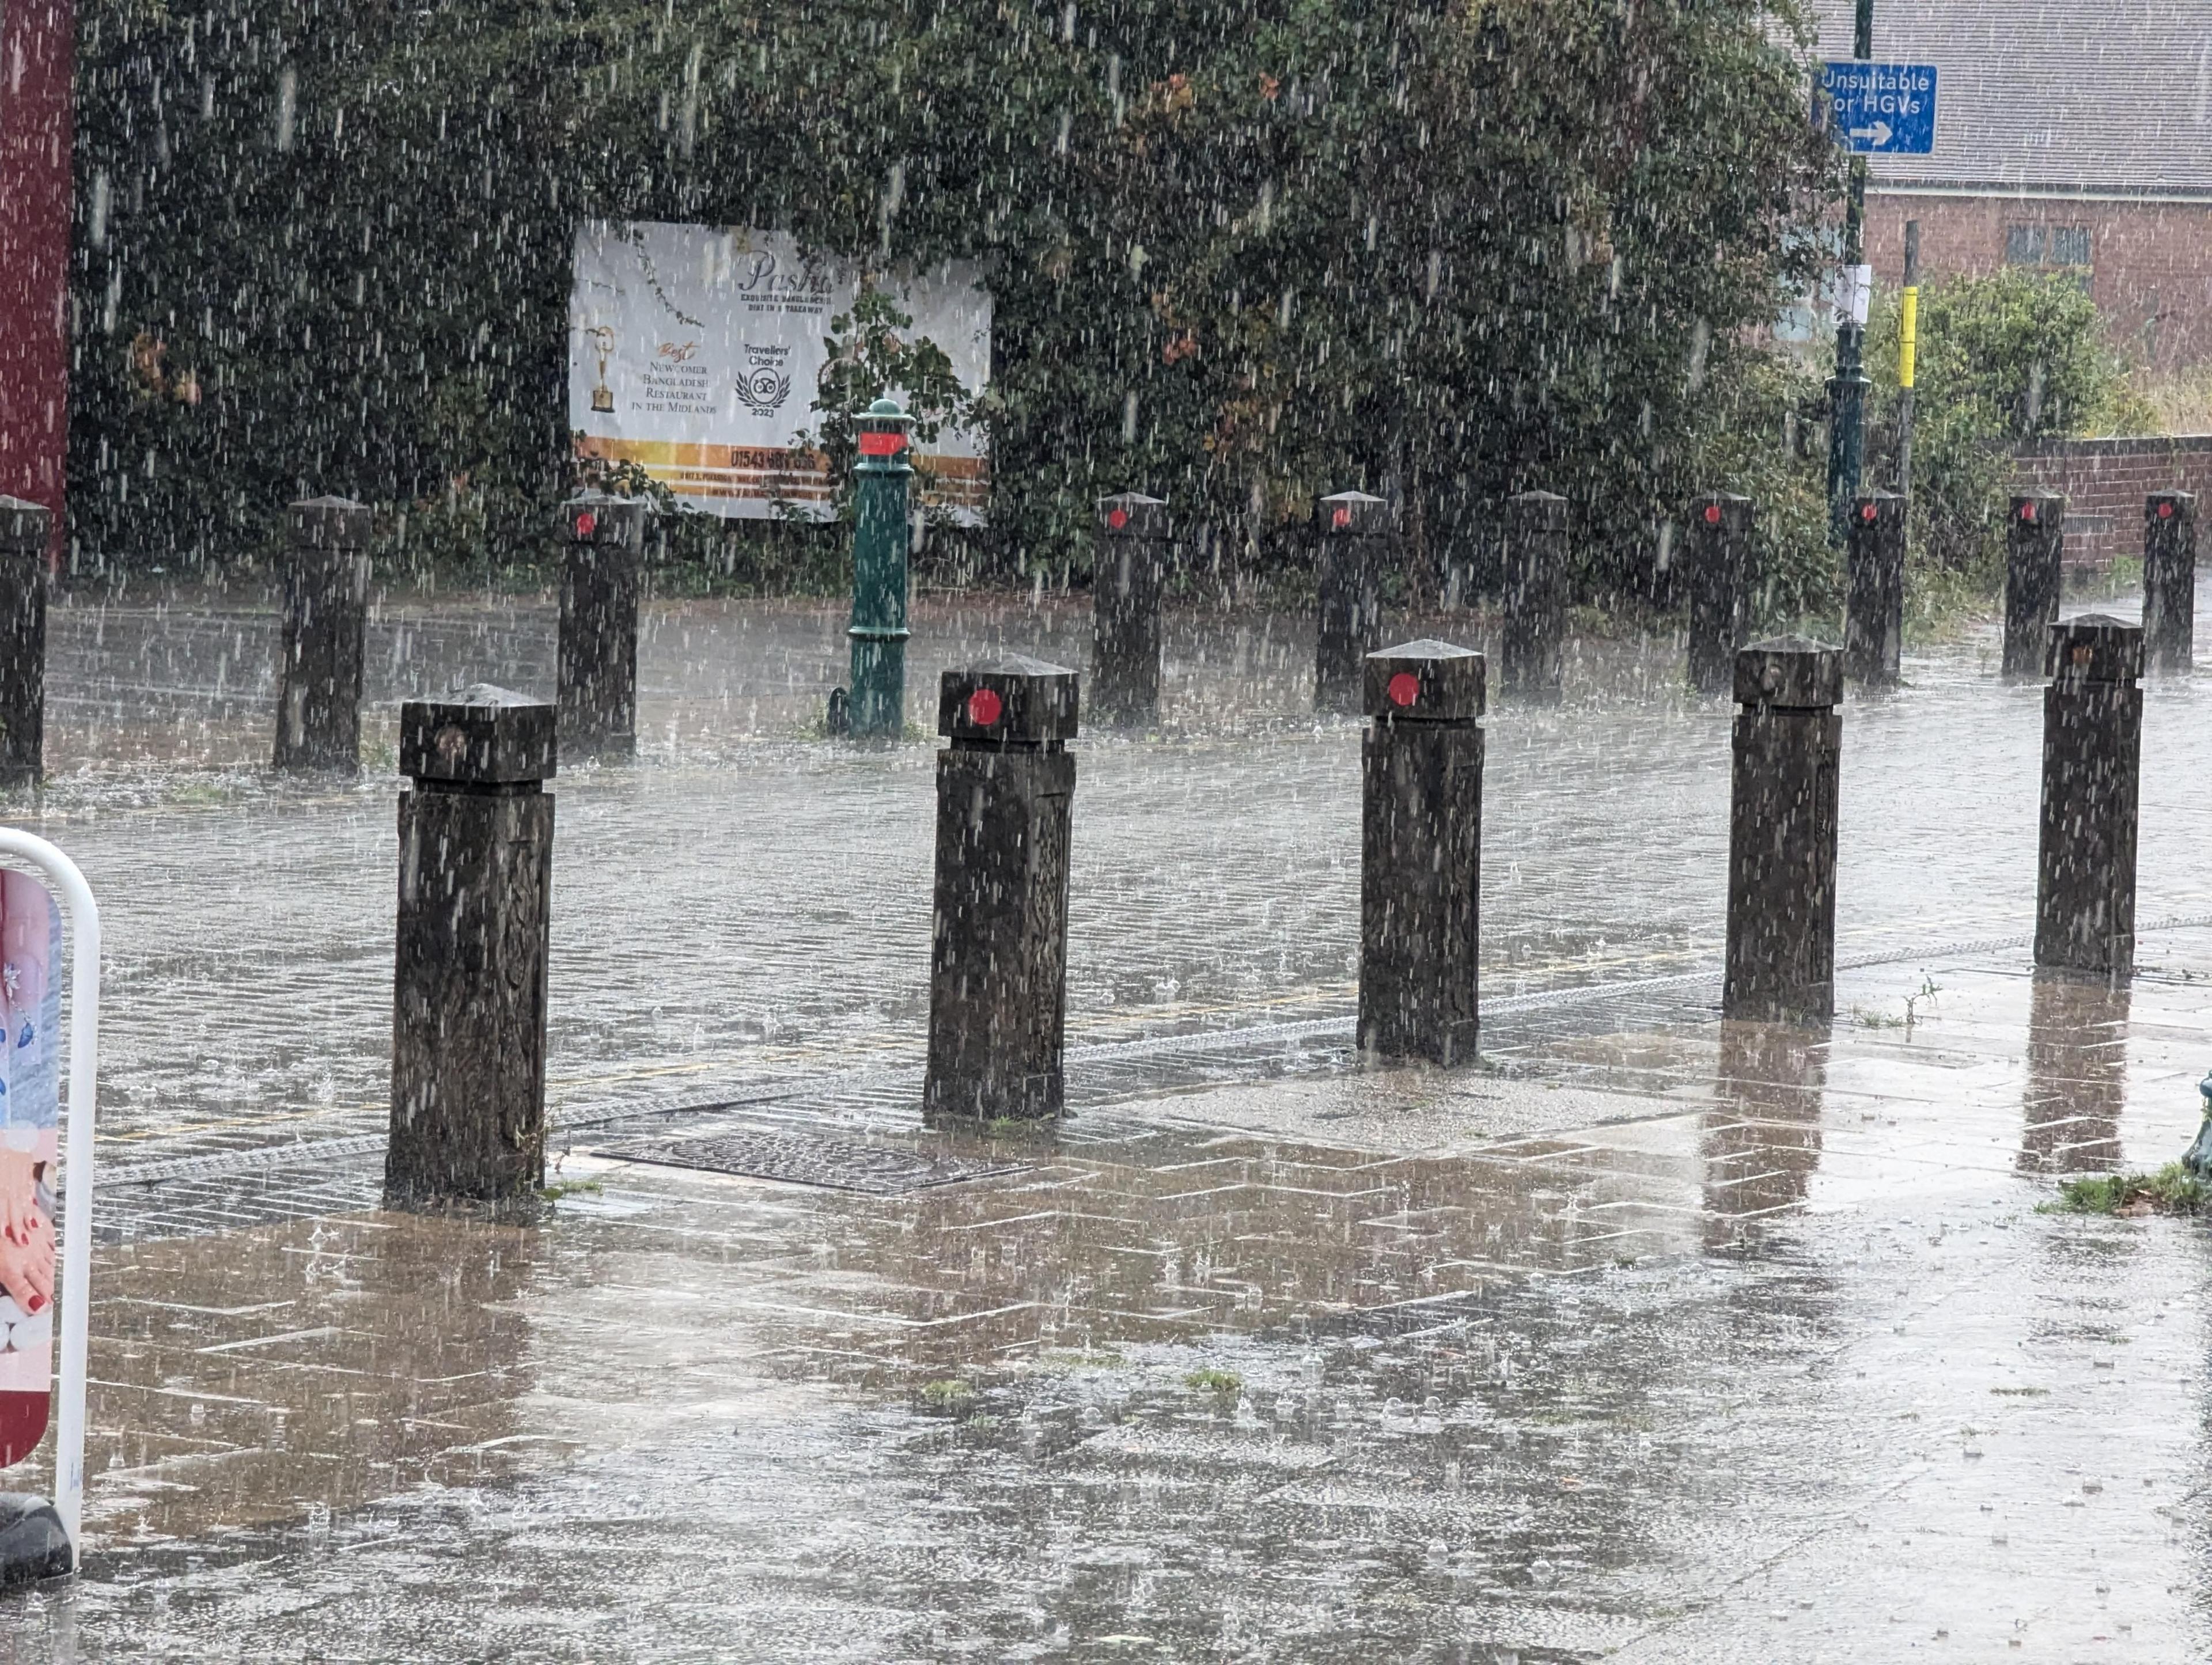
{"points": [[1647, 1337], [1682, 1340], [1215, 869]]}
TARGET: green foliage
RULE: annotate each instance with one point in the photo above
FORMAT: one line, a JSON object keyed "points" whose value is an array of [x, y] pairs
{"points": [[1757, 433], [2171, 1190], [570, 1187], [1224, 1384], [1239, 255], [2003, 360], [870, 356], [1445, 254], [949, 1397]]}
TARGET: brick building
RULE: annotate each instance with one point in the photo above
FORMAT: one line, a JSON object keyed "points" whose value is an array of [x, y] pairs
{"points": [[2106, 482], [2072, 136]]}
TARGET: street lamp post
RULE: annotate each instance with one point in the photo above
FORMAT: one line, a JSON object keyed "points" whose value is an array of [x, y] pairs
{"points": [[880, 536], [1847, 391]]}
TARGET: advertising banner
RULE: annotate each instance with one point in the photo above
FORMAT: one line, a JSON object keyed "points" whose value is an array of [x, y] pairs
{"points": [[695, 352], [30, 1115]]}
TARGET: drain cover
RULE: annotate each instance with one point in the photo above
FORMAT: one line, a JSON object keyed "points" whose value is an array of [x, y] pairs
{"points": [[881, 1171]]}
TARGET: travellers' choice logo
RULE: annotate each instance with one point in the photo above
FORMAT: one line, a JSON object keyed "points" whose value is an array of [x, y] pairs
{"points": [[766, 383]]}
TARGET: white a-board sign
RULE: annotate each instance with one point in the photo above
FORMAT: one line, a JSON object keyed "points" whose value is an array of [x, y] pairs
{"points": [[695, 352], [34, 947]]}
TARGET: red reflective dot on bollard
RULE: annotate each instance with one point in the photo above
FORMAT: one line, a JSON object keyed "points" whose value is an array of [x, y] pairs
{"points": [[2166, 511], [1712, 515], [1341, 518], [1405, 688], [586, 524], [1117, 519], [985, 707]]}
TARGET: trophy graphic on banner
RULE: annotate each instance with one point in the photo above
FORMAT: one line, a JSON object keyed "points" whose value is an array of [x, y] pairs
{"points": [[603, 338]]}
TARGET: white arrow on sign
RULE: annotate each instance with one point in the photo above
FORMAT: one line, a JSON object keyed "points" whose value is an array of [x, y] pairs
{"points": [[1879, 132]]}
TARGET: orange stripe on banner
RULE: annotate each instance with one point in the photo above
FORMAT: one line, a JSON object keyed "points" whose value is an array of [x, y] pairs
{"points": [[774, 458], [781, 459], [772, 473]]}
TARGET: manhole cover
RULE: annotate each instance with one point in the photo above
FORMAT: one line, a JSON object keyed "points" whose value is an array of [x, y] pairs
{"points": [[879, 1169]]}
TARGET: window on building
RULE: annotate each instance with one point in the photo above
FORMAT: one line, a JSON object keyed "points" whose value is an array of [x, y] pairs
{"points": [[2046, 245]]}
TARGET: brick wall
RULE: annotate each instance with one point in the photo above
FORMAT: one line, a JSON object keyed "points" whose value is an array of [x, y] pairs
{"points": [[2149, 272], [2106, 482]]}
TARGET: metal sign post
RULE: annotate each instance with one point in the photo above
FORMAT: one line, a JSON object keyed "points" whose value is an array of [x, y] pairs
{"points": [[82, 943], [1886, 109]]}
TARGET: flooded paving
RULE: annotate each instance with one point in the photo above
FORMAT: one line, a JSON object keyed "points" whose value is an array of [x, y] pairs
{"points": [[1649, 1337], [1215, 874]]}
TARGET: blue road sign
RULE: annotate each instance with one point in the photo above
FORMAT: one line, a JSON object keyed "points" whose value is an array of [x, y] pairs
{"points": [[1881, 109]]}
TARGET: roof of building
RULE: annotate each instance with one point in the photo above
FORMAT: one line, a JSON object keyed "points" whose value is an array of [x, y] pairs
{"points": [[2059, 97]]}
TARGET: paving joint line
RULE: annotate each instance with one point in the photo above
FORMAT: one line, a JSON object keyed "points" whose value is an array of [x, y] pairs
{"points": [[299, 1152]]}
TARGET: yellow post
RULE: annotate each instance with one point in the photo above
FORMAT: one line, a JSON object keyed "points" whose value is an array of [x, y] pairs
{"points": [[1908, 343]]}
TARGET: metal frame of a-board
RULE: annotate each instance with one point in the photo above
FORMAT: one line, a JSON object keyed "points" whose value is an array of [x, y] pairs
{"points": [[82, 944]]}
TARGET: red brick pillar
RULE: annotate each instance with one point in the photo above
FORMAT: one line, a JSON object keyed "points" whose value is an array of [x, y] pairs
{"points": [[38, 40]]}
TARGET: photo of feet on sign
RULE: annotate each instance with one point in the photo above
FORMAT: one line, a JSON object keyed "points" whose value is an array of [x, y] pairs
{"points": [[30, 1104]]}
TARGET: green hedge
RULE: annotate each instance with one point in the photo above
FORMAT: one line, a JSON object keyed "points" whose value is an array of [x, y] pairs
{"points": [[1240, 254]]}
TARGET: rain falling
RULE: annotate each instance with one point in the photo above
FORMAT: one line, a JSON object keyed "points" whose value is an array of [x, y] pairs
{"points": [[1293, 832]]}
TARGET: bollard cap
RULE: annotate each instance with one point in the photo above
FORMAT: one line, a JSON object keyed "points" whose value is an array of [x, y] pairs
{"points": [[1539, 510], [2170, 506], [1352, 514], [883, 430], [1425, 681], [331, 523], [1878, 511], [1720, 511], [1789, 673], [2093, 647], [482, 736], [25, 527], [1011, 699], [2039, 508], [600, 517], [1132, 514]]}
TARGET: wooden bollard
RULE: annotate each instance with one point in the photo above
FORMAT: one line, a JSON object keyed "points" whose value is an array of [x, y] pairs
{"points": [[1125, 589], [998, 963], [2170, 583], [1354, 536], [1873, 599], [25, 529], [1782, 832], [476, 879], [326, 615], [1420, 865], [2035, 541], [1719, 550], [1532, 651], [598, 685], [2085, 869]]}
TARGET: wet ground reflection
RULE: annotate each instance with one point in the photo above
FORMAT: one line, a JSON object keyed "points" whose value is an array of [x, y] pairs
{"points": [[1215, 873], [305, 1368], [1762, 1146], [1652, 1338], [2078, 1074]]}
